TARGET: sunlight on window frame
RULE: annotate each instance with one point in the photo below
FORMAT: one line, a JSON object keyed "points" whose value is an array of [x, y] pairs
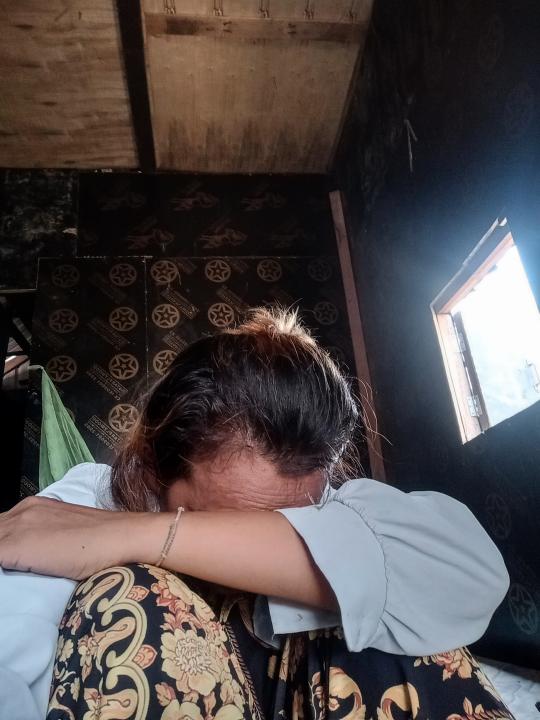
{"points": [[463, 380]]}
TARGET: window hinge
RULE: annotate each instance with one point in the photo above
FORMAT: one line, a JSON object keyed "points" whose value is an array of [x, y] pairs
{"points": [[462, 347], [475, 408]]}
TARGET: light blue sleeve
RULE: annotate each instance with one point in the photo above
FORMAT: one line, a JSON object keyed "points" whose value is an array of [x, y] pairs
{"points": [[413, 573], [31, 607]]}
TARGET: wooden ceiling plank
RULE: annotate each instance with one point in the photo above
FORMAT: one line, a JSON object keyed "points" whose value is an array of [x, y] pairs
{"points": [[257, 99], [255, 29], [243, 107], [63, 77], [233, 91]]}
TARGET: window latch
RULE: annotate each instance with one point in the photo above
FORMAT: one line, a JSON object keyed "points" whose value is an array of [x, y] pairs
{"points": [[475, 408]]}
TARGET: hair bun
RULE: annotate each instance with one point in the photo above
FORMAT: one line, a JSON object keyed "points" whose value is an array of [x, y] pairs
{"points": [[276, 323]]}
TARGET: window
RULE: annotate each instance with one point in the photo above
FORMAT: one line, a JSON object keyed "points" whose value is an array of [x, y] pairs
{"points": [[488, 325]]}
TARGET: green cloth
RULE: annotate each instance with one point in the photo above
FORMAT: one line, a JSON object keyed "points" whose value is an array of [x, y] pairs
{"points": [[62, 446]]}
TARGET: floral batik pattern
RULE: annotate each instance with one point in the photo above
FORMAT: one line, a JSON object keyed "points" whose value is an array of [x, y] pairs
{"points": [[139, 642], [322, 680]]}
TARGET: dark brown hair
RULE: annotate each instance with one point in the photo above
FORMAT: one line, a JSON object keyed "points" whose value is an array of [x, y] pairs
{"points": [[265, 383]]}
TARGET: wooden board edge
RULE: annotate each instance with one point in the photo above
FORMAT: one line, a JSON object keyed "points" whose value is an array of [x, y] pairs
{"points": [[376, 458]]}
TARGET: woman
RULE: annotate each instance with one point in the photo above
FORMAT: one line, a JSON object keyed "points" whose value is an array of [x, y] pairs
{"points": [[252, 420]]}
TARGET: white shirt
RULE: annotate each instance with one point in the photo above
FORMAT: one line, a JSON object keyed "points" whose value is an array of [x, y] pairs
{"points": [[413, 573]]}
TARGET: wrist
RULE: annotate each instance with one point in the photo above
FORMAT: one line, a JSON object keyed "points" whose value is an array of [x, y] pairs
{"points": [[145, 536]]}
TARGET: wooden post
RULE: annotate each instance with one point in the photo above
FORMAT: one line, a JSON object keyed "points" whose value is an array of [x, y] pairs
{"points": [[367, 398], [132, 36]]}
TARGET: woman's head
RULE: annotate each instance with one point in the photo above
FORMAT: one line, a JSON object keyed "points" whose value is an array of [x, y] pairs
{"points": [[263, 394]]}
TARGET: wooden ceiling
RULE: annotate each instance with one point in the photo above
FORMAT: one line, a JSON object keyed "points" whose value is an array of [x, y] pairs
{"points": [[230, 86], [63, 94]]}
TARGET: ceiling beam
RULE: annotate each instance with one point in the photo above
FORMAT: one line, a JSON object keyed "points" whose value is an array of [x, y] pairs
{"points": [[131, 32], [253, 28]]}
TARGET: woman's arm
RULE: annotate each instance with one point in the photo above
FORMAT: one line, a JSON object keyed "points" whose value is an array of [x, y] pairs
{"points": [[395, 561], [255, 551]]}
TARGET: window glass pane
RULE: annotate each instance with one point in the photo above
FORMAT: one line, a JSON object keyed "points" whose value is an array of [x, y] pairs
{"points": [[502, 324]]}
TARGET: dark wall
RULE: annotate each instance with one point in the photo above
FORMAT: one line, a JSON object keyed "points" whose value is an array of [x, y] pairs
{"points": [[163, 260], [38, 218], [156, 215], [465, 76], [197, 215]]}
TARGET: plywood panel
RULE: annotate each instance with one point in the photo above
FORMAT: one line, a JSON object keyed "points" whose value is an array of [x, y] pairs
{"points": [[64, 100], [245, 94]]}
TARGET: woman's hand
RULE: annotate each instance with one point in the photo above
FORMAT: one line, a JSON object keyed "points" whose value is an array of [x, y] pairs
{"points": [[54, 538]]}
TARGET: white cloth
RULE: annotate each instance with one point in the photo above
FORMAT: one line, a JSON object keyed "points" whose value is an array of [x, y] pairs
{"points": [[31, 607], [413, 573]]}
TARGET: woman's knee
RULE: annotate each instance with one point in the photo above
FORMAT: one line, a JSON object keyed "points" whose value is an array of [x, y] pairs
{"points": [[137, 589], [147, 637]]}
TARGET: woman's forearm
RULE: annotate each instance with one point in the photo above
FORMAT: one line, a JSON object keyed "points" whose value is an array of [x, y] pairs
{"points": [[255, 551]]}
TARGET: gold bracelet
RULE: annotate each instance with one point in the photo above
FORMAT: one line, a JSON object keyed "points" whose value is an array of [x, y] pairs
{"points": [[170, 537]]}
